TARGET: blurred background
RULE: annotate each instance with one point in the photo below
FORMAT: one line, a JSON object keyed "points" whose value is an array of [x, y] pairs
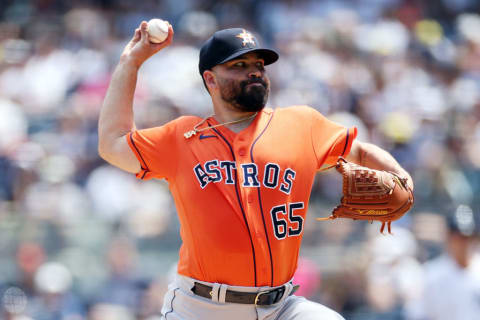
{"points": [[80, 239]]}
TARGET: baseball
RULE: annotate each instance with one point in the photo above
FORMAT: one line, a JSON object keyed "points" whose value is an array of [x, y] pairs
{"points": [[157, 30]]}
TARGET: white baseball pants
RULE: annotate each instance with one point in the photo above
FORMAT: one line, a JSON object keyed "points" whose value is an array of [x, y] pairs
{"points": [[180, 303]]}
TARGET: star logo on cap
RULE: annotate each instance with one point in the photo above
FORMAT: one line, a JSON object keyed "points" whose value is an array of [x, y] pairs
{"points": [[247, 38]]}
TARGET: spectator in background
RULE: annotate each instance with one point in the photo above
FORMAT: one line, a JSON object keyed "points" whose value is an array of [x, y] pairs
{"points": [[123, 288], [29, 257], [451, 288], [54, 298]]}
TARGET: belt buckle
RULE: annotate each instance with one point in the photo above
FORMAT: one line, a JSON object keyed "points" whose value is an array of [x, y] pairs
{"points": [[258, 296], [279, 292]]}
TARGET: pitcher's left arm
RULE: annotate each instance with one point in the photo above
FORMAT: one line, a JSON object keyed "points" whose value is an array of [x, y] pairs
{"points": [[374, 157]]}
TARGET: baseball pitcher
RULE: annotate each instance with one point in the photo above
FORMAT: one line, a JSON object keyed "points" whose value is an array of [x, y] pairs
{"points": [[241, 178]]}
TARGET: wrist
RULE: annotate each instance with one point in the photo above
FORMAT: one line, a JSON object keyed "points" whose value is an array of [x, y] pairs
{"points": [[130, 62]]}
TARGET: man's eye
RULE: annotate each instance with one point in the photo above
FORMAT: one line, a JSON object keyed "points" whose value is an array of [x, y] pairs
{"points": [[239, 64], [260, 65]]}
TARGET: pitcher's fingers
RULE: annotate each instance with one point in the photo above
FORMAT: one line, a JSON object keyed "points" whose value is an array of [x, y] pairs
{"points": [[136, 35], [143, 31], [169, 38]]}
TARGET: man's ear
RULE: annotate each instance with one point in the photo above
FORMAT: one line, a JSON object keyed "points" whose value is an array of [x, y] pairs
{"points": [[210, 80]]}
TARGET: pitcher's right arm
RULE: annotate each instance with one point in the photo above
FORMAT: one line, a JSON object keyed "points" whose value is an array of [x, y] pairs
{"points": [[116, 116]]}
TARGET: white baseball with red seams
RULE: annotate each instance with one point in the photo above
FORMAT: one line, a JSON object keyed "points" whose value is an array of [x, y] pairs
{"points": [[157, 30]]}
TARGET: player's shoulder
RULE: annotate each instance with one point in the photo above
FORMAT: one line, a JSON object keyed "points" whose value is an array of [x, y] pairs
{"points": [[182, 122], [301, 112], [173, 127], [187, 120]]}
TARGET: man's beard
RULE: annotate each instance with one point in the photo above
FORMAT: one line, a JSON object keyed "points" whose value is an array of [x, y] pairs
{"points": [[252, 98]]}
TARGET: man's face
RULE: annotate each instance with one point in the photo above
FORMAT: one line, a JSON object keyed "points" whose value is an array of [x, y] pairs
{"points": [[243, 82]]}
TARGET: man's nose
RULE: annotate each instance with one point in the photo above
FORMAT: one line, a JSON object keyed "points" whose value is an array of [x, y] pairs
{"points": [[254, 73]]}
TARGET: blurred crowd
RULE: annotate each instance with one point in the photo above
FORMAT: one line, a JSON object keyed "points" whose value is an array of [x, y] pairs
{"points": [[80, 239]]}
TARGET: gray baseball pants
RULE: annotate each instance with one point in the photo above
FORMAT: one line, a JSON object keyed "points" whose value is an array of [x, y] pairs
{"points": [[180, 303]]}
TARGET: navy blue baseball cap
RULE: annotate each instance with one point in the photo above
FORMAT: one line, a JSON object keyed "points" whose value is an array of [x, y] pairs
{"points": [[228, 44]]}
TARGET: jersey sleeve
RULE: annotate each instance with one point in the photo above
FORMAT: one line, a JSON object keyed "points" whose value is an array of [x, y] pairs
{"points": [[330, 140], [155, 149]]}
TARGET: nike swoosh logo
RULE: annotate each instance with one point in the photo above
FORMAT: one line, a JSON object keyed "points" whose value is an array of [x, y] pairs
{"points": [[205, 137]]}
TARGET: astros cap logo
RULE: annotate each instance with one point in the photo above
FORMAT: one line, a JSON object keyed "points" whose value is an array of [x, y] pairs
{"points": [[247, 37]]}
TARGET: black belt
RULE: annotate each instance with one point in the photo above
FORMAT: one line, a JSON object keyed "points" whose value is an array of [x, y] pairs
{"points": [[262, 298]]}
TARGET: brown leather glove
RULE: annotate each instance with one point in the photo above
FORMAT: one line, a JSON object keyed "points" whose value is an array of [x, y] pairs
{"points": [[370, 194]]}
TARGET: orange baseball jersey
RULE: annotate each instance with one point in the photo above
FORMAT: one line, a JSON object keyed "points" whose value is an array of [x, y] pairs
{"points": [[242, 197]]}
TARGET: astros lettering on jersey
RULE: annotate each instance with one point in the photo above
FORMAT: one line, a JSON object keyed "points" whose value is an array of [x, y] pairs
{"points": [[242, 197]]}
